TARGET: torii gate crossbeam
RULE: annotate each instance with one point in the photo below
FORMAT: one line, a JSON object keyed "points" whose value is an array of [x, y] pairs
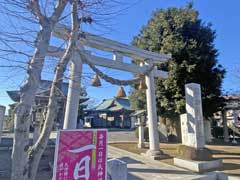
{"points": [[105, 62], [119, 50]]}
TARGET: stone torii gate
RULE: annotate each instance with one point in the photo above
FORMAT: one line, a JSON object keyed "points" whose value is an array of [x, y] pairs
{"points": [[119, 50]]}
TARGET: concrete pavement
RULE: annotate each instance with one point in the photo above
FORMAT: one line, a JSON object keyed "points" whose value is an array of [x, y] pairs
{"points": [[116, 135]]}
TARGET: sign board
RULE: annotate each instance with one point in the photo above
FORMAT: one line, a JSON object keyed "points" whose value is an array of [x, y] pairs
{"points": [[81, 155]]}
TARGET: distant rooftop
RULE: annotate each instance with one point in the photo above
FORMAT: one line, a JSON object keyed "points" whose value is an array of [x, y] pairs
{"points": [[231, 102], [43, 90], [233, 97], [114, 104]]}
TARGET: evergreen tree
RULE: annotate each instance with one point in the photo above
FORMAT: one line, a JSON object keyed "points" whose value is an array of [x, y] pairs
{"points": [[179, 31]]}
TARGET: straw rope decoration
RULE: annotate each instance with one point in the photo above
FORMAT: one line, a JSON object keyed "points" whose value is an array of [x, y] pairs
{"points": [[111, 79]]}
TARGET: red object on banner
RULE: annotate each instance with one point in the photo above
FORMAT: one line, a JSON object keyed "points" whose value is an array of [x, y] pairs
{"points": [[81, 155]]}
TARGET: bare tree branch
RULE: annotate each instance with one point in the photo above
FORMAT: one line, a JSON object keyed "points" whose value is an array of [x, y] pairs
{"points": [[34, 8]]}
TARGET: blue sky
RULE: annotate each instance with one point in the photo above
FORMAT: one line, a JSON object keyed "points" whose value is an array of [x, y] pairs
{"points": [[224, 16]]}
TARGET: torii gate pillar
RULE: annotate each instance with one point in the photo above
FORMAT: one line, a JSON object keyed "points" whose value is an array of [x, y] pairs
{"points": [[74, 88], [154, 149]]}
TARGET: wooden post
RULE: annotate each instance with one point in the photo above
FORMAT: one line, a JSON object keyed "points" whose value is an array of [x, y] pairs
{"points": [[154, 149], [74, 88], [225, 126]]}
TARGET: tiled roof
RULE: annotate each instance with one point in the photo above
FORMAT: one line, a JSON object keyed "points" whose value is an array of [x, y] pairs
{"points": [[138, 112], [114, 104], [124, 103], [105, 104]]}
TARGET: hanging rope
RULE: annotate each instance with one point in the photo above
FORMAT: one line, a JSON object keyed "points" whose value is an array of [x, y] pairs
{"points": [[113, 80]]}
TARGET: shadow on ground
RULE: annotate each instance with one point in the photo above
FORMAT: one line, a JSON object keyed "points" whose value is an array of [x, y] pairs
{"points": [[162, 171], [129, 160]]}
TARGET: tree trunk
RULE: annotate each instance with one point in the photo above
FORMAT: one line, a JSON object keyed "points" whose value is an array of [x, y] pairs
{"points": [[23, 109], [20, 165], [38, 149]]}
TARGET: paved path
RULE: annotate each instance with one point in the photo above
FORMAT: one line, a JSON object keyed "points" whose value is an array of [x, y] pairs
{"points": [[116, 135], [122, 136], [141, 168]]}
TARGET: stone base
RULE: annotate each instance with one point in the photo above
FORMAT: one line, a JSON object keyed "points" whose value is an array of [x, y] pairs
{"points": [[142, 145], [198, 166], [190, 153], [155, 155]]}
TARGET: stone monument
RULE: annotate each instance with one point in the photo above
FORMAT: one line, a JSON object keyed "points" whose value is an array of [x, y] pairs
{"points": [[207, 131], [163, 130], [192, 154], [192, 122], [117, 170], [140, 132]]}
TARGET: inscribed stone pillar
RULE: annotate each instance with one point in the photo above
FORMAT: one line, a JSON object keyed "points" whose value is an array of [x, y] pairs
{"points": [[36, 132], [184, 128], [36, 125], [140, 133], [225, 126], [207, 131], [163, 134], [74, 88], [2, 114], [133, 122], [154, 149], [195, 128]]}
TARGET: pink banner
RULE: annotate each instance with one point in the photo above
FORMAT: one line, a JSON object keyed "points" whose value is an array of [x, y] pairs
{"points": [[81, 155]]}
